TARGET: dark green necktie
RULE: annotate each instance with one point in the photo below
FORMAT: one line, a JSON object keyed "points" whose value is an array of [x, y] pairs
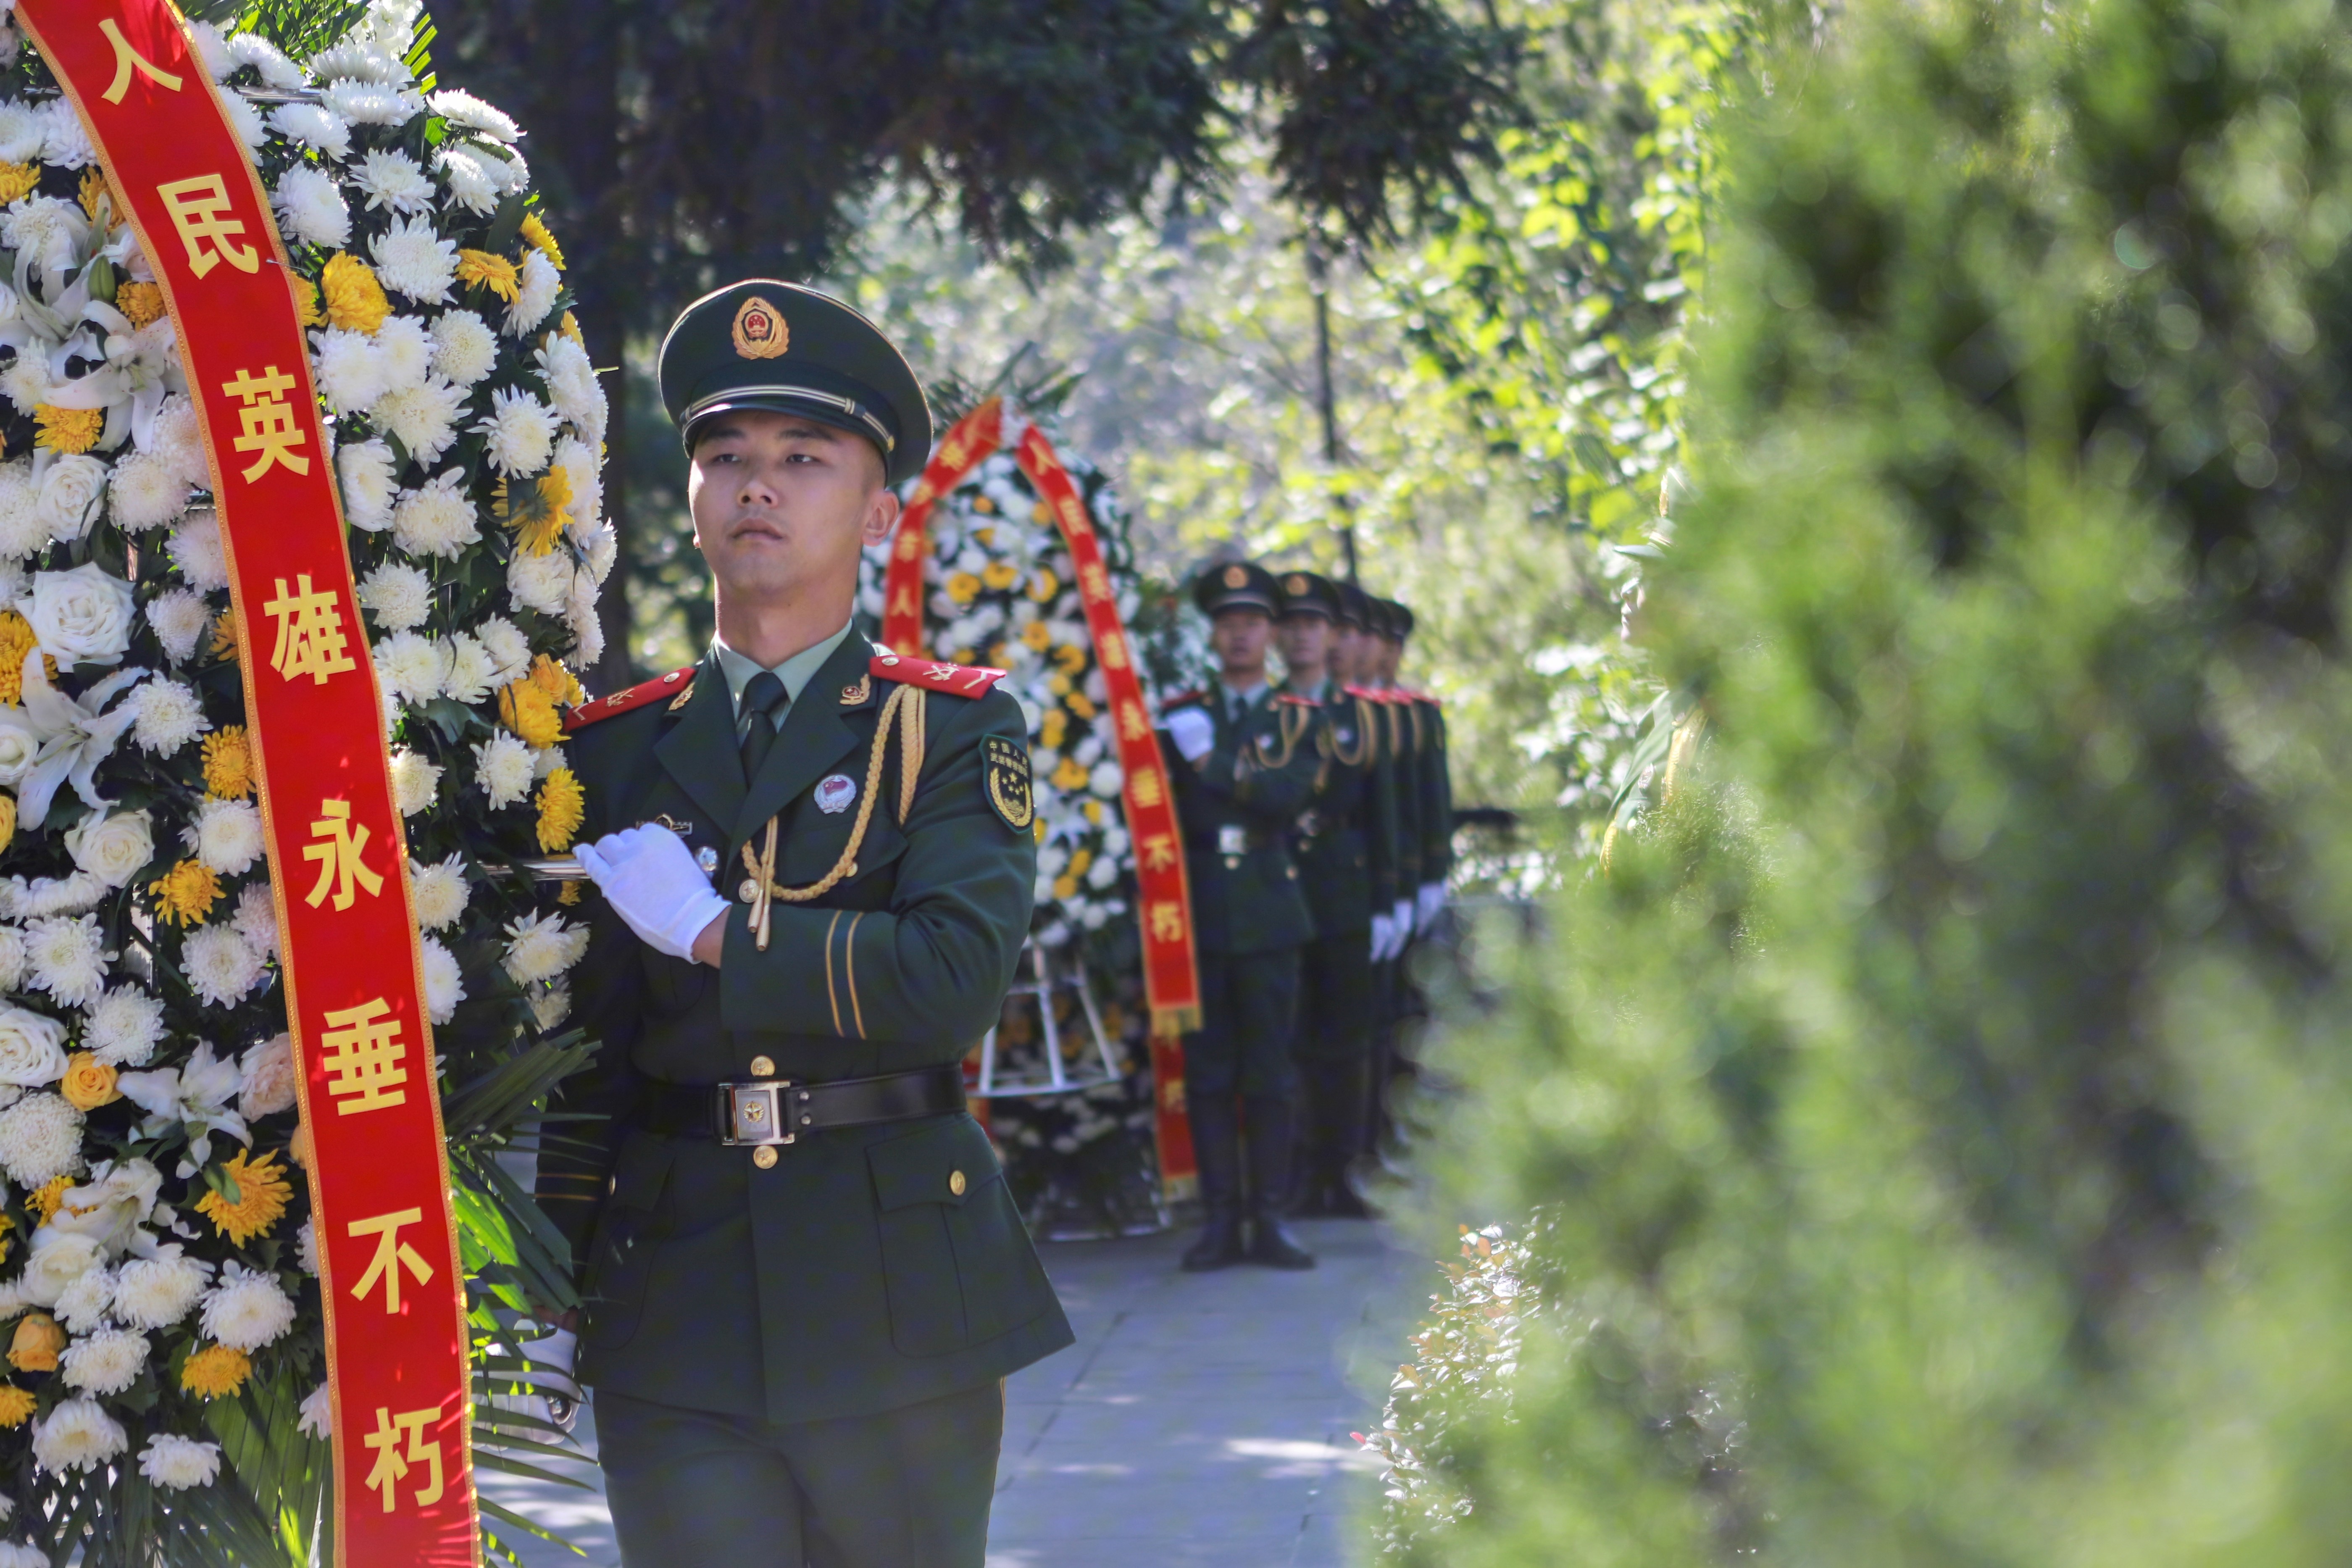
{"points": [[765, 701]]}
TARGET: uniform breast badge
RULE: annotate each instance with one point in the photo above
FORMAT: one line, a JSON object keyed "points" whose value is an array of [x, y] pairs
{"points": [[1005, 771], [834, 792]]}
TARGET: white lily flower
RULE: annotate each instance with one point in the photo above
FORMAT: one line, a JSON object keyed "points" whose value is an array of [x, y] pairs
{"points": [[76, 734], [197, 1097]]}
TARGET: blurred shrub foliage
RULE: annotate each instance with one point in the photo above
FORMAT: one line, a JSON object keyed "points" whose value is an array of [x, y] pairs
{"points": [[1954, 1065]]}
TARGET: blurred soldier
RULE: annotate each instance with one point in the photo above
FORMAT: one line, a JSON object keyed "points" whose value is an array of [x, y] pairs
{"points": [[1250, 766], [1335, 1003], [1426, 719]]}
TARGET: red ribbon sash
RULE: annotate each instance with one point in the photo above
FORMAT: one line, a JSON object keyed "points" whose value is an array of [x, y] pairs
{"points": [[396, 1342], [1171, 984]]}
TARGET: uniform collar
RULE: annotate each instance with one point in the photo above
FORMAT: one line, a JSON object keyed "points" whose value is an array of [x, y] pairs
{"points": [[795, 672], [1249, 697]]}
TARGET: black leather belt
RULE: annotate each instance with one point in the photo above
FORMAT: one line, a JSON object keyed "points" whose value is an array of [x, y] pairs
{"points": [[779, 1109]]}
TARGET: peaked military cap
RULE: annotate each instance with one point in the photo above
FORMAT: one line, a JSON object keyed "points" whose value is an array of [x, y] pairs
{"points": [[1355, 606], [1309, 594], [1237, 585], [1396, 621], [761, 344]]}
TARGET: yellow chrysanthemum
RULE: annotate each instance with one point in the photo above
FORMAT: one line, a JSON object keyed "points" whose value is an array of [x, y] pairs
{"points": [[568, 893], [305, 303], [986, 536], [261, 1194], [530, 713], [1094, 811], [983, 506], [963, 587], [535, 234], [1079, 860], [1071, 775], [1058, 684], [225, 637], [1065, 887], [999, 574], [94, 188], [961, 656], [17, 179], [67, 429], [562, 806], [538, 520], [1044, 585], [1041, 512], [42, 1202], [8, 1241], [1079, 703], [1071, 657], [7, 820], [1055, 726], [15, 1404], [1000, 654], [215, 1372], [143, 302], [547, 673], [495, 273], [185, 894], [1036, 635], [570, 328], [355, 300], [228, 763]]}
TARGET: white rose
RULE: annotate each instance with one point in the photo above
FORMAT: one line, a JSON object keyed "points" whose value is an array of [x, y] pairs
{"points": [[81, 617], [19, 745], [112, 848], [70, 492], [58, 1258], [32, 1048]]}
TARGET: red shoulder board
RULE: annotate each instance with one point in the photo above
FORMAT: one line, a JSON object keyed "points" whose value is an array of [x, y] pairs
{"points": [[1372, 693], [933, 675], [1425, 697], [1295, 701], [671, 685]]}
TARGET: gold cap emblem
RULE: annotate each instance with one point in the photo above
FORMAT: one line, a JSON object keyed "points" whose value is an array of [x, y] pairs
{"points": [[1296, 586], [760, 330], [1236, 577]]}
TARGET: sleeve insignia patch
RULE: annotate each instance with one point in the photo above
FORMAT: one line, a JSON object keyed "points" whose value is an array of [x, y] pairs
{"points": [[1004, 774]]}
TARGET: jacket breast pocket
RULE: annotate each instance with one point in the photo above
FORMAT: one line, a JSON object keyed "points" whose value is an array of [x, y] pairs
{"points": [[956, 1260], [620, 1257], [818, 841]]}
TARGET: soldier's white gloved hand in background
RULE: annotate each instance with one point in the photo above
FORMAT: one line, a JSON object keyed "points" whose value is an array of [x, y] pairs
{"points": [[1404, 924], [1384, 933], [649, 878], [1433, 899], [1194, 734]]}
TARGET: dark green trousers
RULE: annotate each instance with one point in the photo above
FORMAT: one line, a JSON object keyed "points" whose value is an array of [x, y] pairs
{"points": [[1336, 1001], [1249, 1007], [907, 1488]]}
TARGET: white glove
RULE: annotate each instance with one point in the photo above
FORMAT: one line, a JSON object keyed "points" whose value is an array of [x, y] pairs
{"points": [[1194, 734], [649, 878], [1384, 933], [1404, 924], [1433, 899]]}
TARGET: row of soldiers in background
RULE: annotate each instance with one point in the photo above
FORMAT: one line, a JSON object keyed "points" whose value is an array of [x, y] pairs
{"points": [[1317, 825]]}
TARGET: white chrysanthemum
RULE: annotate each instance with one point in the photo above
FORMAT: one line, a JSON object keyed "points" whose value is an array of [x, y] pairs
{"points": [[541, 947], [123, 1027], [393, 182], [311, 205], [180, 619], [502, 766], [546, 761], [20, 131], [425, 416], [577, 462], [465, 349], [12, 958], [106, 1362], [365, 468], [405, 349], [67, 957], [78, 1435], [436, 519], [471, 186], [509, 649], [265, 1078], [25, 900], [519, 431], [256, 919], [365, 103], [510, 175], [146, 492], [467, 112], [467, 677], [411, 258], [63, 141], [82, 1305], [313, 127], [177, 439], [212, 50], [437, 891], [550, 1005], [40, 1138], [397, 595], [276, 70], [246, 1310], [316, 1415], [445, 983], [226, 835], [170, 715], [540, 284], [246, 121], [541, 583], [195, 547], [50, 229], [572, 388], [156, 1292], [413, 781], [177, 1463], [358, 59], [350, 369], [411, 667], [23, 528], [306, 1247], [603, 546], [580, 615], [220, 964]]}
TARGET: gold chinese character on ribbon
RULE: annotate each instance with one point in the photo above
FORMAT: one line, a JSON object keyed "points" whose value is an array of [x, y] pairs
{"points": [[364, 1053], [128, 59], [1147, 787], [1111, 648], [393, 1464], [199, 209], [336, 844], [391, 1256], [1093, 582], [1132, 724], [1167, 921], [268, 421], [1158, 850], [311, 638]]}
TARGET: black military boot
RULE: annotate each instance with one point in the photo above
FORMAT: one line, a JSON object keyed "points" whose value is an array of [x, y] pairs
{"points": [[1216, 1147], [1269, 1158]]}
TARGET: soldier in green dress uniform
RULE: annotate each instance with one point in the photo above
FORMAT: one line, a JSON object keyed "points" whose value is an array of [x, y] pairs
{"points": [[804, 1279], [1248, 769], [1332, 844]]}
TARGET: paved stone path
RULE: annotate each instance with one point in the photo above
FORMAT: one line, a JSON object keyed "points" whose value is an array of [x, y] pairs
{"points": [[1200, 1419]]}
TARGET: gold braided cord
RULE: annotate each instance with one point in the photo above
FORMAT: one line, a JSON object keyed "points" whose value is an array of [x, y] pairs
{"points": [[910, 747], [1413, 711], [1284, 715], [1396, 732], [763, 868], [1369, 738]]}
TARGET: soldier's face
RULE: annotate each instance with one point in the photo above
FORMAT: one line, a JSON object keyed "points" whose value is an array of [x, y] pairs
{"points": [[1347, 653], [1386, 652], [1304, 641], [1239, 640], [782, 505]]}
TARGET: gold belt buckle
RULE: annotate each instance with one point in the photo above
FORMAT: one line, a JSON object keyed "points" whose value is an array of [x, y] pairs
{"points": [[758, 1114]]}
